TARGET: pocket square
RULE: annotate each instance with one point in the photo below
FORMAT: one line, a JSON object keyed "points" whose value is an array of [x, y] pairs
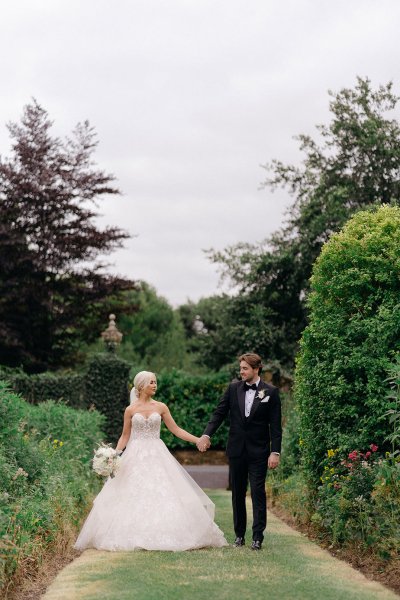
{"points": [[265, 399]]}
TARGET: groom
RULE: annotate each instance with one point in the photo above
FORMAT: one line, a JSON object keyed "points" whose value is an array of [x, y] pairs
{"points": [[254, 443]]}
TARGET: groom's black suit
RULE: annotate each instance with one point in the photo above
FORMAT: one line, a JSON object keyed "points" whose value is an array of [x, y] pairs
{"points": [[251, 439]]}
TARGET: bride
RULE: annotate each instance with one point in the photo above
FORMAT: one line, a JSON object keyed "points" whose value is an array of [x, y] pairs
{"points": [[151, 503]]}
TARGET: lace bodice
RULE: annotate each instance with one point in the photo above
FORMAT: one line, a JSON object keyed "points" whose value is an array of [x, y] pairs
{"points": [[146, 428]]}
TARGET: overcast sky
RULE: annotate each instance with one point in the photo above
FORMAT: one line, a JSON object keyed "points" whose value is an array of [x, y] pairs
{"points": [[189, 98]]}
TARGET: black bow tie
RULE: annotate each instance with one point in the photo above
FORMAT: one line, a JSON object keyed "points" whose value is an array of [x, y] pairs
{"points": [[248, 387]]}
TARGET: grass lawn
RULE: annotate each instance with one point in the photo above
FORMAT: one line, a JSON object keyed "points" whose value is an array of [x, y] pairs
{"points": [[289, 567]]}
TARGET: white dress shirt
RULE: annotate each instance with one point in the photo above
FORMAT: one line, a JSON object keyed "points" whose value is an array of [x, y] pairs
{"points": [[249, 399]]}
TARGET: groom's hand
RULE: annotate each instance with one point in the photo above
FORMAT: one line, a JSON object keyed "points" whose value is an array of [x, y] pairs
{"points": [[273, 460], [203, 443]]}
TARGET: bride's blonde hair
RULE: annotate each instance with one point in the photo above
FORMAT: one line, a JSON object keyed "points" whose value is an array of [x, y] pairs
{"points": [[142, 379]]}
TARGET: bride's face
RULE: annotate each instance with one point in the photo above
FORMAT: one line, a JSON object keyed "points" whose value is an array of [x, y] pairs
{"points": [[151, 388]]}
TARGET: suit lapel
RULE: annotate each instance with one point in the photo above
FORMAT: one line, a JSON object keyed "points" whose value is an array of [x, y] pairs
{"points": [[256, 401], [241, 399]]}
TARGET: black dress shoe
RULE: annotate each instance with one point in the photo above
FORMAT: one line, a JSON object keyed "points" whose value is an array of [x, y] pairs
{"points": [[256, 545], [238, 542]]}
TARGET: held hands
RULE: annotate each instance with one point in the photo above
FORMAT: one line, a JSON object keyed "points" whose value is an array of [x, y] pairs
{"points": [[203, 443], [273, 461]]}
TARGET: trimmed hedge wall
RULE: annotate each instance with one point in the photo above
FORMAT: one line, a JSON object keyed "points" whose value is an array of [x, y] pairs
{"points": [[353, 335], [69, 387], [106, 387], [191, 400]]}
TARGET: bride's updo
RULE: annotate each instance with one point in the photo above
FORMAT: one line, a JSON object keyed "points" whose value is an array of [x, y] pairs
{"points": [[142, 379]]}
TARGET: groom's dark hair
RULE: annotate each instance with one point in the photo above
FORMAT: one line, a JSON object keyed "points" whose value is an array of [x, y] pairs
{"points": [[252, 359]]}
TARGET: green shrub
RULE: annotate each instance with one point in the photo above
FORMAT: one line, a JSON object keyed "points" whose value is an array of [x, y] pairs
{"points": [[358, 501], [106, 385], [291, 453], [68, 387], [290, 494], [353, 333], [46, 479], [191, 400]]}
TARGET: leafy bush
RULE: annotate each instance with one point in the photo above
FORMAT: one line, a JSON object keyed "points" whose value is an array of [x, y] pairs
{"points": [[291, 451], [359, 500], [45, 478], [191, 400], [354, 330], [106, 384], [69, 387]]}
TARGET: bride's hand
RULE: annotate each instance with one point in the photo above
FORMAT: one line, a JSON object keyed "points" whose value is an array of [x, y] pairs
{"points": [[203, 443]]}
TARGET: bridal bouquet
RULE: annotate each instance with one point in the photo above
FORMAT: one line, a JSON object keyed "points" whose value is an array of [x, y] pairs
{"points": [[106, 461]]}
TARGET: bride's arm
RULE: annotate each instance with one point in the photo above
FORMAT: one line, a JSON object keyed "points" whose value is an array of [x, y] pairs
{"points": [[173, 427], [126, 432]]}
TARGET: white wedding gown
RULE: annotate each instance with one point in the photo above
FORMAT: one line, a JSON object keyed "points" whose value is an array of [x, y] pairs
{"points": [[151, 503]]}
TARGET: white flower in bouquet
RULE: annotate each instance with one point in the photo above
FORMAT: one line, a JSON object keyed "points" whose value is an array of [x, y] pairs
{"points": [[106, 461]]}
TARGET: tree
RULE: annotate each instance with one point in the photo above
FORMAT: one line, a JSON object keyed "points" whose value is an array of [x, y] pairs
{"points": [[49, 302], [356, 164], [153, 336], [204, 322]]}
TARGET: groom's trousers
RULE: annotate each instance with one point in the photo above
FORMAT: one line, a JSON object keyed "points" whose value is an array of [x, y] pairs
{"points": [[242, 470]]}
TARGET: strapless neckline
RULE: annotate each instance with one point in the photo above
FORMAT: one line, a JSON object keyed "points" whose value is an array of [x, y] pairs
{"points": [[146, 418]]}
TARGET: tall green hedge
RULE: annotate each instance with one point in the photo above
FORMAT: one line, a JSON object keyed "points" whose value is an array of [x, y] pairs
{"points": [[353, 334], [191, 400], [69, 387], [106, 388]]}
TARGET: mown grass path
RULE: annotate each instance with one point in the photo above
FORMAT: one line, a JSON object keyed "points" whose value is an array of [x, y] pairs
{"points": [[289, 567]]}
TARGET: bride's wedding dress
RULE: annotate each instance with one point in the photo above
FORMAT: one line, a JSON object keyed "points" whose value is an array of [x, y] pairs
{"points": [[151, 503]]}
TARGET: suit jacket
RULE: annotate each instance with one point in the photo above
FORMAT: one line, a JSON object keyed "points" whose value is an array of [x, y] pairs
{"points": [[261, 432]]}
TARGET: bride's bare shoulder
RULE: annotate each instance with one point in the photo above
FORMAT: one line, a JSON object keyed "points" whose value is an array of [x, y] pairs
{"points": [[162, 407]]}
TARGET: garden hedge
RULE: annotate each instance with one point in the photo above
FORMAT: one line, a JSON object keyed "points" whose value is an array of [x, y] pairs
{"points": [[352, 337]]}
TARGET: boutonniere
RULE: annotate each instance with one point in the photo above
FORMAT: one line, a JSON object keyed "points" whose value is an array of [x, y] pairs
{"points": [[261, 395]]}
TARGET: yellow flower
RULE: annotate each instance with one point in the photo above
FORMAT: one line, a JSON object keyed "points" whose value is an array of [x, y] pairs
{"points": [[55, 441], [61, 444], [332, 470], [301, 442], [331, 453]]}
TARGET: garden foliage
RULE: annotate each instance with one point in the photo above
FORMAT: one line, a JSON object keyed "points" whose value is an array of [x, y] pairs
{"points": [[45, 479], [106, 388], [353, 335], [358, 500], [191, 400], [68, 387]]}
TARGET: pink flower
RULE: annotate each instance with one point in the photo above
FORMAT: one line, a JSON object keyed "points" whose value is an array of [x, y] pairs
{"points": [[367, 454], [353, 455], [373, 447]]}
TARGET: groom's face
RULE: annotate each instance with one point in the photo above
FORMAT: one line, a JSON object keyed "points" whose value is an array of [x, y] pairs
{"points": [[247, 373]]}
